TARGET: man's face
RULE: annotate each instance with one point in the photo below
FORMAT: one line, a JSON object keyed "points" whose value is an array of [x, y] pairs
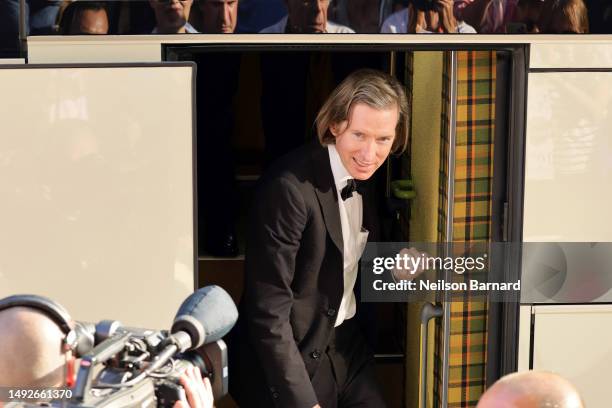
{"points": [[364, 142], [171, 15], [219, 16], [307, 16], [90, 22]]}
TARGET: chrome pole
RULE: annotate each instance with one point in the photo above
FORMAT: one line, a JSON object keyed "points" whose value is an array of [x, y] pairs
{"points": [[452, 139]]}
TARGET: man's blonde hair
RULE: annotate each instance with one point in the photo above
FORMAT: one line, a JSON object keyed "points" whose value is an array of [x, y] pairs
{"points": [[373, 88]]}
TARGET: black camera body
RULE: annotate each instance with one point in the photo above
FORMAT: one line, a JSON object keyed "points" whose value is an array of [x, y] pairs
{"points": [[133, 367], [138, 367]]}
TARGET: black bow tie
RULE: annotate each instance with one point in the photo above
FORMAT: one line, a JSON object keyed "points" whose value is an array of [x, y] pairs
{"points": [[352, 186]]}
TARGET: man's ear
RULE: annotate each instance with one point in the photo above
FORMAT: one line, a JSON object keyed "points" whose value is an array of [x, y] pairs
{"points": [[336, 128], [333, 129]]}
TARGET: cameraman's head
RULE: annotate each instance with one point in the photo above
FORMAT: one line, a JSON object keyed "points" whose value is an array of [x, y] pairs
{"points": [[34, 350]]}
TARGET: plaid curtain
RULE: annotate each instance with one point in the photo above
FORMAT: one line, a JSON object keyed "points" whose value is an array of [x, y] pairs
{"points": [[471, 217], [405, 158]]}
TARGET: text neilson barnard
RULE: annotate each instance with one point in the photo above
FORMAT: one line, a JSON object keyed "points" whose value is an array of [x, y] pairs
{"points": [[441, 284]]}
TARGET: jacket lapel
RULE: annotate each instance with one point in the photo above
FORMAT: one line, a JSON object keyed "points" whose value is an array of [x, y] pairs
{"points": [[325, 189]]}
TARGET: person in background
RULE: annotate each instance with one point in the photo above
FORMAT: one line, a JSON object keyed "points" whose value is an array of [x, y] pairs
{"points": [[363, 16], [564, 17], [531, 389], [426, 16], [85, 18], [526, 17], [216, 16], [306, 17], [172, 16], [255, 15], [486, 16]]}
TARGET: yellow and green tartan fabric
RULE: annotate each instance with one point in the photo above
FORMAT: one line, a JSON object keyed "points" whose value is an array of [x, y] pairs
{"points": [[475, 129]]}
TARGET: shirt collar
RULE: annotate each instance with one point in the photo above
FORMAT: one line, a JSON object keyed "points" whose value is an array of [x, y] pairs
{"points": [[341, 175]]}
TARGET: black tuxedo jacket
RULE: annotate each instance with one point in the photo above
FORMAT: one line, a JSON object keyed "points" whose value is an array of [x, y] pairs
{"points": [[293, 281]]}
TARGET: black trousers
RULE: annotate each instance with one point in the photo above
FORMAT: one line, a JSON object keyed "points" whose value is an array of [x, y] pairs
{"points": [[346, 376]]}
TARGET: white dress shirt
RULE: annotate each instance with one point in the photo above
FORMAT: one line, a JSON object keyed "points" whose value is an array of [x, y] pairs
{"points": [[354, 236]]}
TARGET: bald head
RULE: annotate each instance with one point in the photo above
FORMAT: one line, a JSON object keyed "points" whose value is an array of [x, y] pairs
{"points": [[31, 353], [531, 389]]}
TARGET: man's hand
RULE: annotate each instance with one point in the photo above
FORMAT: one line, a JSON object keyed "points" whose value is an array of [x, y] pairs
{"points": [[198, 390], [408, 273], [448, 23]]}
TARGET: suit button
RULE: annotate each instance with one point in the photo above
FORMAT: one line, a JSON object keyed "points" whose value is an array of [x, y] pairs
{"points": [[275, 395], [316, 354], [331, 312]]}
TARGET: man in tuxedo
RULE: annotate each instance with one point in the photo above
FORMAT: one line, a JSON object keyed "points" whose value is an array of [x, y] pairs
{"points": [[297, 344]]}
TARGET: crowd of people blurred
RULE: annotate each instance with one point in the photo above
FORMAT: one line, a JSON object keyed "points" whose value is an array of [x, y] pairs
{"points": [[75, 17], [78, 17]]}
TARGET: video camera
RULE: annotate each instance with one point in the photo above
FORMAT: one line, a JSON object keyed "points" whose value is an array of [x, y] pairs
{"points": [[133, 367]]}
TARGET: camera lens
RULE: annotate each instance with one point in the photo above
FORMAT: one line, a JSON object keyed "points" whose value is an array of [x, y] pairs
{"points": [[197, 360]]}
